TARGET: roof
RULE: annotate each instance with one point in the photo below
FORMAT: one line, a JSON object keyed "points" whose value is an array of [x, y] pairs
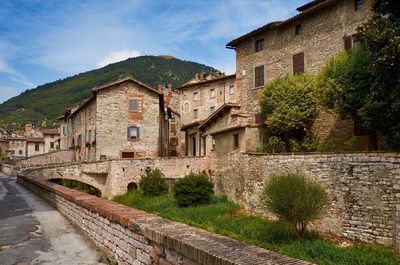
{"points": [[50, 131], [228, 129], [34, 140], [119, 81], [306, 10], [207, 81], [218, 113], [190, 125]]}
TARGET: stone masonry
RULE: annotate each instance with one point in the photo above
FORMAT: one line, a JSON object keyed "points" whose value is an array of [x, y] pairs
{"points": [[129, 236], [364, 189]]}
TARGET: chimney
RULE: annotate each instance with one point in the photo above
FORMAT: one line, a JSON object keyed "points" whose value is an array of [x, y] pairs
{"points": [[160, 87], [28, 128]]}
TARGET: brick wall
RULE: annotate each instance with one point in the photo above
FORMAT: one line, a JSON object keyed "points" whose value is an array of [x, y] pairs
{"points": [[364, 189], [129, 236]]}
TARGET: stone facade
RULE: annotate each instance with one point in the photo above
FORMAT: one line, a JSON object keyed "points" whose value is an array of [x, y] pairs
{"points": [[123, 119], [317, 33], [199, 99], [51, 139], [130, 236], [364, 189]]}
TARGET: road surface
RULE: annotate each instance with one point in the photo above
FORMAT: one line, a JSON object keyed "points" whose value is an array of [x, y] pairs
{"points": [[33, 232]]}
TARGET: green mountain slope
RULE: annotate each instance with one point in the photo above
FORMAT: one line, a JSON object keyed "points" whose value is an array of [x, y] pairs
{"points": [[44, 103]]}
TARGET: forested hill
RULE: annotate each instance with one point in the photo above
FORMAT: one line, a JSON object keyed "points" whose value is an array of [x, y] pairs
{"points": [[46, 102]]}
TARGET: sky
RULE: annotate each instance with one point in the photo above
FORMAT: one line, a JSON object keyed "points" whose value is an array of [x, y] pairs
{"points": [[45, 40]]}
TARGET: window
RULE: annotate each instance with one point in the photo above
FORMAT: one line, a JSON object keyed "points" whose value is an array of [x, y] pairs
{"points": [[232, 89], [297, 29], [36, 146], [358, 4], [89, 136], [20, 152], [195, 113], [212, 109], [213, 143], [79, 140], [195, 96], [13, 152], [52, 136], [259, 76], [350, 41], [236, 141], [212, 93], [52, 145], [298, 63], [133, 133], [259, 45], [133, 105]]}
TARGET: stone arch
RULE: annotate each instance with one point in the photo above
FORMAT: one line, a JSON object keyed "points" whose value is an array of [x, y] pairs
{"points": [[98, 192], [132, 186]]}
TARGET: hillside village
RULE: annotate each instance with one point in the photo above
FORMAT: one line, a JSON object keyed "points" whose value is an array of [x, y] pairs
{"points": [[212, 113], [274, 164]]}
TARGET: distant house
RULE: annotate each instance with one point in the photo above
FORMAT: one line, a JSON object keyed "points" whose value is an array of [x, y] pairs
{"points": [[51, 139], [302, 43], [122, 119]]}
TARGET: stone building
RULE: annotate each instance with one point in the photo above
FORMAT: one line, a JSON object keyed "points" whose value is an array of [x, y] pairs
{"points": [[302, 43], [205, 96], [122, 119], [51, 139]]}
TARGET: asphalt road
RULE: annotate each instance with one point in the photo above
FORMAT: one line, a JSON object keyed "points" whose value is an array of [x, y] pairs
{"points": [[33, 232]]}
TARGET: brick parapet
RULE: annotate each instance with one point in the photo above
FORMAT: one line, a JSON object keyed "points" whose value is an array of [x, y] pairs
{"points": [[131, 236]]}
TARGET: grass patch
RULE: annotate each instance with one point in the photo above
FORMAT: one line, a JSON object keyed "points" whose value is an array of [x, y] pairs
{"points": [[225, 218]]}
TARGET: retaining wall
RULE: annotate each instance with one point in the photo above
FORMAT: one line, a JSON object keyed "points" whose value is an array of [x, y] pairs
{"points": [[364, 189], [130, 236], [52, 158]]}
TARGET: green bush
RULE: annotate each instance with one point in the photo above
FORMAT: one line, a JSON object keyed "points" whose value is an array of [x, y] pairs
{"points": [[273, 145], [288, 103], [193, 189], [294, 199], [153, 183]]}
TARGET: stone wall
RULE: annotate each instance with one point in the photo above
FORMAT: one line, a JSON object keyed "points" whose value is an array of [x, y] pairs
{"points": [[364, 189], [52, 158], [129, 236]]}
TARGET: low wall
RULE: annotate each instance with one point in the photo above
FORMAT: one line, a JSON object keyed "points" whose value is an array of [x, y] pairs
{"points": [[7, 169], [364, 189], [130, 236], [52, 158]]}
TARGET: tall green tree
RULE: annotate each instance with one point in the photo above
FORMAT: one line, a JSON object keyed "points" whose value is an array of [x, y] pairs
{"points": [[380, 38]]}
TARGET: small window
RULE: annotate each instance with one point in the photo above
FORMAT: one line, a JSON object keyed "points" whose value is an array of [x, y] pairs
{"points": [[236, 141], [259, 45], [232, 89], [259, 76], [298, 63], [297, 29], [20, 152], [79, 141], [195, 113], [65, 130], [195, 96], [13, 152], [52, 136], [358, 4], [212, 93], [36, 147], [133, 105], [212, 109], [52, 145], [213, 143], [133, 133]]}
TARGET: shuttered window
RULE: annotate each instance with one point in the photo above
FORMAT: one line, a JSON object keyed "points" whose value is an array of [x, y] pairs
{"points": [[358, 4], [133, 105], [259, 76], [259, 45], [348, 42], [298, 63], [133, 133]]}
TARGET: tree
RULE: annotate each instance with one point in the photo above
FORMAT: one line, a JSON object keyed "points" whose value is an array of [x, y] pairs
{"points": [[288, 103], [380, 37]]}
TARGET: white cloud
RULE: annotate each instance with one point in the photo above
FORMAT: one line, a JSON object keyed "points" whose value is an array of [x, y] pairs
{"points": [[117, 56], [7, 92], [13, 74]]}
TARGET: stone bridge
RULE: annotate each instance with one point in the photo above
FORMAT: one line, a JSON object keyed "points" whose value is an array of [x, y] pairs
{"points": [[112, 177]]}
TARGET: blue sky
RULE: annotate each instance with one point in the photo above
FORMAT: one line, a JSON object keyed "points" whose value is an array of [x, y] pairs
{"points": [[45, 40]]}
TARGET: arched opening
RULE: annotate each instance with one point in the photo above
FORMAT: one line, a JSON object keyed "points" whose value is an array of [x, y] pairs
{"points": [[77, 185], [132, 186]]}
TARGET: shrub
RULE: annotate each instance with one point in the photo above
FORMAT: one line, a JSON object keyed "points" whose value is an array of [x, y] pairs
{"points": [[294, 199], [273, 145], [153, 183], [193, 189], [288, 103]]}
